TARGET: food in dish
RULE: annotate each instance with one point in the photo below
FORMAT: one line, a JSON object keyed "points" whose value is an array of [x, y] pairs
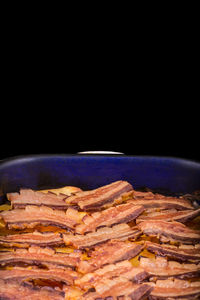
{"points": [[112, 242]]}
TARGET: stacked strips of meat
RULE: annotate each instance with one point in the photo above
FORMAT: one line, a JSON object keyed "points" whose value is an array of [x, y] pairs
{"points": [[176, 246], [108, 243], [174, 289], [33, 269]]}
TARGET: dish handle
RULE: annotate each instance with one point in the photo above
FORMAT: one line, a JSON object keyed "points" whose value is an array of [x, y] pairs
{"points": [[100, 152]]}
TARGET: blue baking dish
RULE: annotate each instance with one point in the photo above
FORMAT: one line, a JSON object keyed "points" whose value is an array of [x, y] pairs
{"points": [[168, 174]]}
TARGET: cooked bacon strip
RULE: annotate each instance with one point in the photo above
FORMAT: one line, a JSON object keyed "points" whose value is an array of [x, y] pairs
{"points": [[123, 269], [40, 256], [24, 240], [31, 197], [16, 291], [33, 215], [170, 215], [164, 203], [170, 231], [120, 232], [119, 287], [181, 202], [162, 268], [66, 276], [182, 253], [114, 215], [174, 289], [108, 253], [102, 197]]}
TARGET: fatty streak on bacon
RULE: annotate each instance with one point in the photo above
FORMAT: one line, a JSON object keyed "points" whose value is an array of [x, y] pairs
{"points": [[111, 252], [183, 253], [162, 268], [174, 289], [119, 288], [102, 197], [170, 215], [16, 291], [102, 235], [66, 276], [123, 269], [24, 240], [170, 231], [40, 256], [31, 216], [114, 215]]}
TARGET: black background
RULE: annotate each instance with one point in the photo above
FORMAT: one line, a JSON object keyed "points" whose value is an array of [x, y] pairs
{"points": [[145, 128], [137, 94], [146, 116]]}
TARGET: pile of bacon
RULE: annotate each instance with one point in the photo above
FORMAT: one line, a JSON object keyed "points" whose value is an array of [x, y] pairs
{"points": [[109, 243]]}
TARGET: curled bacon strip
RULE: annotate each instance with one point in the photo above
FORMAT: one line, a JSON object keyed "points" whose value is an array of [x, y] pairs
{"points": [[110, 252], [102, 197], [174, 289], [114, 215], [170, 215], [151, 200], [40, 256], [24, 240], [33, 215], [119, 288], [66, 276], [102, 235], [30, 197], [170, 231], [123, 269], [162, 268], [184, 253]]}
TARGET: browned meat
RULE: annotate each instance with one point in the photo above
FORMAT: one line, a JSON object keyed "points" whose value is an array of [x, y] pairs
{"points": [[171, 215], [162, 268], [119, 288], [24, 240], [93, 296], [108, 253], [66, 276], [30, 197], [33, 215], [170, 231], [40, 256], [16, 291], [114, 215], [120, 232], [99, 226], [182, 253], [150, 200], [123, 269], [102, 197], [174, 289]]}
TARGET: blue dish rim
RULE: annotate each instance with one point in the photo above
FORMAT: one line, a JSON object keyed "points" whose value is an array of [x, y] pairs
{"points": [[140, 160], [65, 155]]}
